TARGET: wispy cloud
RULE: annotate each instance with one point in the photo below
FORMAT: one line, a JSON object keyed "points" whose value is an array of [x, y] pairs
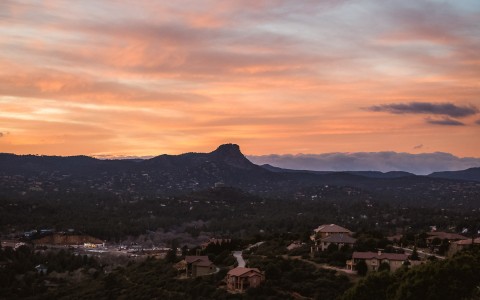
{"points": [[420, 146], [444, 121], [447, 109]]}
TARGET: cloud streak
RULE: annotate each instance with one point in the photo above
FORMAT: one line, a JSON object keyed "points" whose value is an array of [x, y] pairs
{"points": [[445, 121], [447, 109]]}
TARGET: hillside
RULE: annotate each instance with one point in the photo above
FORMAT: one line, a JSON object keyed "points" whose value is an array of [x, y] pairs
{"points": [[29, 176], [472, 174]]}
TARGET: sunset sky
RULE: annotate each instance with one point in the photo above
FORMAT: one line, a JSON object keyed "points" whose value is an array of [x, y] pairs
{"points": [[140, 78]]}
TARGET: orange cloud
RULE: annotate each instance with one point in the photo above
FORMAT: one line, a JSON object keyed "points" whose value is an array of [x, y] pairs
{"points": [[274, 76]]}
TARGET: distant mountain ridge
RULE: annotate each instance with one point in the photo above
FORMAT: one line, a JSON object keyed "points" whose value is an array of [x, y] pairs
{"points": [[468, 174], [386, 161], [371, 174], [227, 154], [25, 175]]}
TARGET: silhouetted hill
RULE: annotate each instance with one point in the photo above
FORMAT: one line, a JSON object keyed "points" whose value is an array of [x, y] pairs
{"points": [[282, 170], [468, 174], [371, 174], [27, 176]]}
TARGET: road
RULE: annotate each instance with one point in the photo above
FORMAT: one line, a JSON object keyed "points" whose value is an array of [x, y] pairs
{"points": [[239, 257]]}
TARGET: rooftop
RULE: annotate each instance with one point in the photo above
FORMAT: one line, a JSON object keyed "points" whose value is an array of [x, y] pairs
{"points": [[468, 242], [331, 228], [339, 238], [239, 271], [445, 235], [192, 259]]}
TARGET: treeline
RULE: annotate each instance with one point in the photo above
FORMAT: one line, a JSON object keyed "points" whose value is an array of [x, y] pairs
{"points": [[157, 279], [291, 278], [226, 211]]}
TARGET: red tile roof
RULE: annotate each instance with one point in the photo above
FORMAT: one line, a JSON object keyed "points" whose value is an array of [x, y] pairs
{"points": [[468, 242], [339, 238], [239, 271], [332, 228], [192, 259], [204, 263], [445, 235]]}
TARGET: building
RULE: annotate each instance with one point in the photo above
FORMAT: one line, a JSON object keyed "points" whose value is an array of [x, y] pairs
{"points": [[324, 231], [239, 279], [339, 240], [451, 237], [326, 235], [462, 244], [374, 259], [198, 266], [66, 239], [294, 245]]}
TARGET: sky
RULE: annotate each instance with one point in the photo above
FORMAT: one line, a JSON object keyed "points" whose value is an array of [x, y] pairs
{"points": [[141, 78]]}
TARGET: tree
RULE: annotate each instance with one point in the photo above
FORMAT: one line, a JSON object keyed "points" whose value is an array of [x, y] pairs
{"points": [[384, 266], [171, 256], [454, 278], [374, 287], [362, 268], [414, 255]]}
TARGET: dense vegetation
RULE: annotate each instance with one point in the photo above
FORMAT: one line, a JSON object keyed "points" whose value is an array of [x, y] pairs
{"points": [[74, 277], [20, 279], [227, 211], [455, 278], [157, 279]]}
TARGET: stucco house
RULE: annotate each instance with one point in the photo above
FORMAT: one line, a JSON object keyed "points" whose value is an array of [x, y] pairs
{"points": [[462, 244], [198, 266], [326, 235], [240, 278], [326, 230], [451, 237], [339, 240], [374, 259]]}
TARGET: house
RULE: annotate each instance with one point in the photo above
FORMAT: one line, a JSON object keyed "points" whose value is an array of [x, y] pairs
{"points": [[326, 235], [339, 240], [374, 259], [462, 244], [295, 245], [239, 279], [324, 231], [198, 266], [451, 237]]}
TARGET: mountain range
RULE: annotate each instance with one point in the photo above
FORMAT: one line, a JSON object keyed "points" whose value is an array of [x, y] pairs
{"points": [[385, 161], [173, 174]]}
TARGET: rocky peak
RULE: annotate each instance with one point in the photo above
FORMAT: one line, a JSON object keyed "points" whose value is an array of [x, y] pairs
{"points": [[231, 154]]}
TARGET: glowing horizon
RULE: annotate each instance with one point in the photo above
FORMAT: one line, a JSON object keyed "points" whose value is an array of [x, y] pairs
{"points": [[133, 78]]}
